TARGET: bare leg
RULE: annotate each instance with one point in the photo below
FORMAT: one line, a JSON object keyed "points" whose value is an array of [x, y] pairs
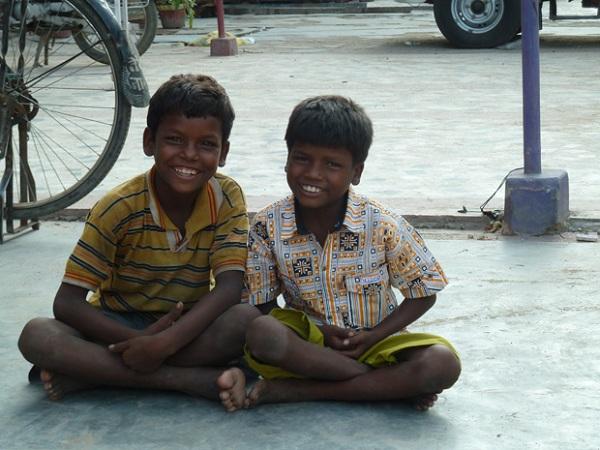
{"points": [[417, 379], [71, 363], [221, 342], [273, 343]]}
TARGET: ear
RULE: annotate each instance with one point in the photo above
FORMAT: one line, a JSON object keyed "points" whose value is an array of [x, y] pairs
{"points": [[148, 141], [223, 155], [357, 172]]}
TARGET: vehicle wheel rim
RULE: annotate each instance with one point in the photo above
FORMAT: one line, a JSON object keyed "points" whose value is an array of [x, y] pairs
{"points": [[477, 16]]}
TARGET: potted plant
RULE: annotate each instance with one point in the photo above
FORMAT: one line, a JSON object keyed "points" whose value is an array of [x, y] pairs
{"points": [[173, 13]]}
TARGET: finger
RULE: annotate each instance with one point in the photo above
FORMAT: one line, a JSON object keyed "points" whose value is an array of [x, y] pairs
{"points": [[119, 347], [176, 311]]}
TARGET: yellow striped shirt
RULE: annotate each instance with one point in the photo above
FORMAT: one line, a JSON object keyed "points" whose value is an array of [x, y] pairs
{"points": [[133, 258], [347, 282]]}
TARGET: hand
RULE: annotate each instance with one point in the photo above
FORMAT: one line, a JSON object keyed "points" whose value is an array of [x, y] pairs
{"points": [[336, 337], [165, 321], [142, 354], [359, 342]]}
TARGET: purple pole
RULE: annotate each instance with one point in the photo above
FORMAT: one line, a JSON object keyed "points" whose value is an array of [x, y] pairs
{"points": [[531, 86], [220, 10]]}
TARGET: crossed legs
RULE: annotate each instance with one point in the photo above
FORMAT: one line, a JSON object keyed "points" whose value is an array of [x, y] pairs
{"points": [[420, 374], [69, 362]]}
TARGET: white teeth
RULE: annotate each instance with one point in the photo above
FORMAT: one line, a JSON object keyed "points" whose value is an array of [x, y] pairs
{"points": [[312, 189], [185, 171]]}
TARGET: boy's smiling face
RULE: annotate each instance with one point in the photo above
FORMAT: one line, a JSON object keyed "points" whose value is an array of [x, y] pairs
{"points": [[320, 176], [187, 152]]}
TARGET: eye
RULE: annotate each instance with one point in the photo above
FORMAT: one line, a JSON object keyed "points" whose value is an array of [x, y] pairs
{"points": [[299, 157], [333, 164], [208, 143], [173, 139]]}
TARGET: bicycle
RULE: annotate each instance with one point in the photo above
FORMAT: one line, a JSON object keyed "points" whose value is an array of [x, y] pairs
{"points": [[63, 116], [138, 17]]}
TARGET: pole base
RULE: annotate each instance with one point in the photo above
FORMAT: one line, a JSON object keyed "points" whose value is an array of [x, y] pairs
{"points": [[535, 204], [225, 46]]}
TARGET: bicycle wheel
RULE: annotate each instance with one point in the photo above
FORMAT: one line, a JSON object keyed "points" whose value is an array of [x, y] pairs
{"points": [[143, 21], [69, 117]]}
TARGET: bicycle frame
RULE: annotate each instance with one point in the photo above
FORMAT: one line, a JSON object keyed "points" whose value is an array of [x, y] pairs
{"points": [[121, 8], [14, 118]]}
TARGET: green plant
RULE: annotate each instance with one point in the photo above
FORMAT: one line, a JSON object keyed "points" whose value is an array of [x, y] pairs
{"points": [[186, 5]]}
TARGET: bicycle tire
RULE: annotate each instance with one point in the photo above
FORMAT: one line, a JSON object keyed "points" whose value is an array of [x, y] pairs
{"points": [[73, 140], [144, 36]]}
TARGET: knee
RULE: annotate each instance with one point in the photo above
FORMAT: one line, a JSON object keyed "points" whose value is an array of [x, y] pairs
{"points": [[32, 336], [236, 320], [267, 339], [241, 315], [440, 368]]}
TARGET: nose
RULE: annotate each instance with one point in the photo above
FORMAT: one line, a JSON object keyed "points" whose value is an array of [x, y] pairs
{"points": [[314, 171], [189, 151]]}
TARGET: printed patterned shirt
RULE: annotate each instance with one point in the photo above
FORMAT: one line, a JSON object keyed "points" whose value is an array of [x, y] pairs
{"points": [[347, 282], [133, 258]]}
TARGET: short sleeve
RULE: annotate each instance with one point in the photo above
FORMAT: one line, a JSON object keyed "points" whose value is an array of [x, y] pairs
{"points": [[92, 260], [413, 269], [261, 281], [229, 248]]}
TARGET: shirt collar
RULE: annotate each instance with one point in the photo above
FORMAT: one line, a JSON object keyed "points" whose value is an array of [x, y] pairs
{"points": [[350, 218], [205, 210]]}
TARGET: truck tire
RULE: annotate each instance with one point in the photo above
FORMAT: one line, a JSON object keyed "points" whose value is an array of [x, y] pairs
{"points": [[478, 23]]}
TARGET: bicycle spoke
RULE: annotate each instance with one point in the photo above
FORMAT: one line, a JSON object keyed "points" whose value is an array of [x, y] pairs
{"points": [[76, 111], [52, 144], [75, 135], [65, 116]]}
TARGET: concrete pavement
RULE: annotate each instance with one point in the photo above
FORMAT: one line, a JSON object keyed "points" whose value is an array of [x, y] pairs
{"points": [[521, 312]]}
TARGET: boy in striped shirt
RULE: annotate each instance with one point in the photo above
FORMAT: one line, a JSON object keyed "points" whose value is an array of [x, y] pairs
{"points": [[146, 255], [334, 256]]}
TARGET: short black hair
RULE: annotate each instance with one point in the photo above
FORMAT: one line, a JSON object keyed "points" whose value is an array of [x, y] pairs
{"points": [[331, 121], [192, 96]]}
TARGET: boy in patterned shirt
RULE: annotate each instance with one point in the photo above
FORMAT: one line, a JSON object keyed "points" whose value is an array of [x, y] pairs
{"points": [[146, 254], [334, 256]]}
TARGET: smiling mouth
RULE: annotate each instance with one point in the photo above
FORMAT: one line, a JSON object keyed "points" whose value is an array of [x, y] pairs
{"points": [[185, 172], [310, 189]]}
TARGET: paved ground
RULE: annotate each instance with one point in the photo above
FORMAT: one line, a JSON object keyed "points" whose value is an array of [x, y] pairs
{"points": [[448, 123], [523, 313]]}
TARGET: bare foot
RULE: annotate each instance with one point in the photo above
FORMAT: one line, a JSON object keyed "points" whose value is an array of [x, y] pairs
{"points": [[277, 391], [423, 402], [256, 395], [232, 387], [57, 385]]}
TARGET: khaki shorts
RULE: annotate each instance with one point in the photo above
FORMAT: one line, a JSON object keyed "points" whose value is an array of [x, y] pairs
{"points": [[381, 354]]}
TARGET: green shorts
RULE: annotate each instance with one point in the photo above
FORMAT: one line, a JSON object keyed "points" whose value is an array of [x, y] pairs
{"points": [[381, 354]]}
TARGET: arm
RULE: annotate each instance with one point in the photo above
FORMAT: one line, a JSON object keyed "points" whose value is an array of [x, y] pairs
{"points": [[409, 310], [147, 353], [70, 306]]}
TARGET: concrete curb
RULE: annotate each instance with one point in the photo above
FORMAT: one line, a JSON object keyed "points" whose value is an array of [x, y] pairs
{"points": [[419, 221]]}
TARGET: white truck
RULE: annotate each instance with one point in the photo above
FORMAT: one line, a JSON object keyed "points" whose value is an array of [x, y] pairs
{"points": [[489, 23]]}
